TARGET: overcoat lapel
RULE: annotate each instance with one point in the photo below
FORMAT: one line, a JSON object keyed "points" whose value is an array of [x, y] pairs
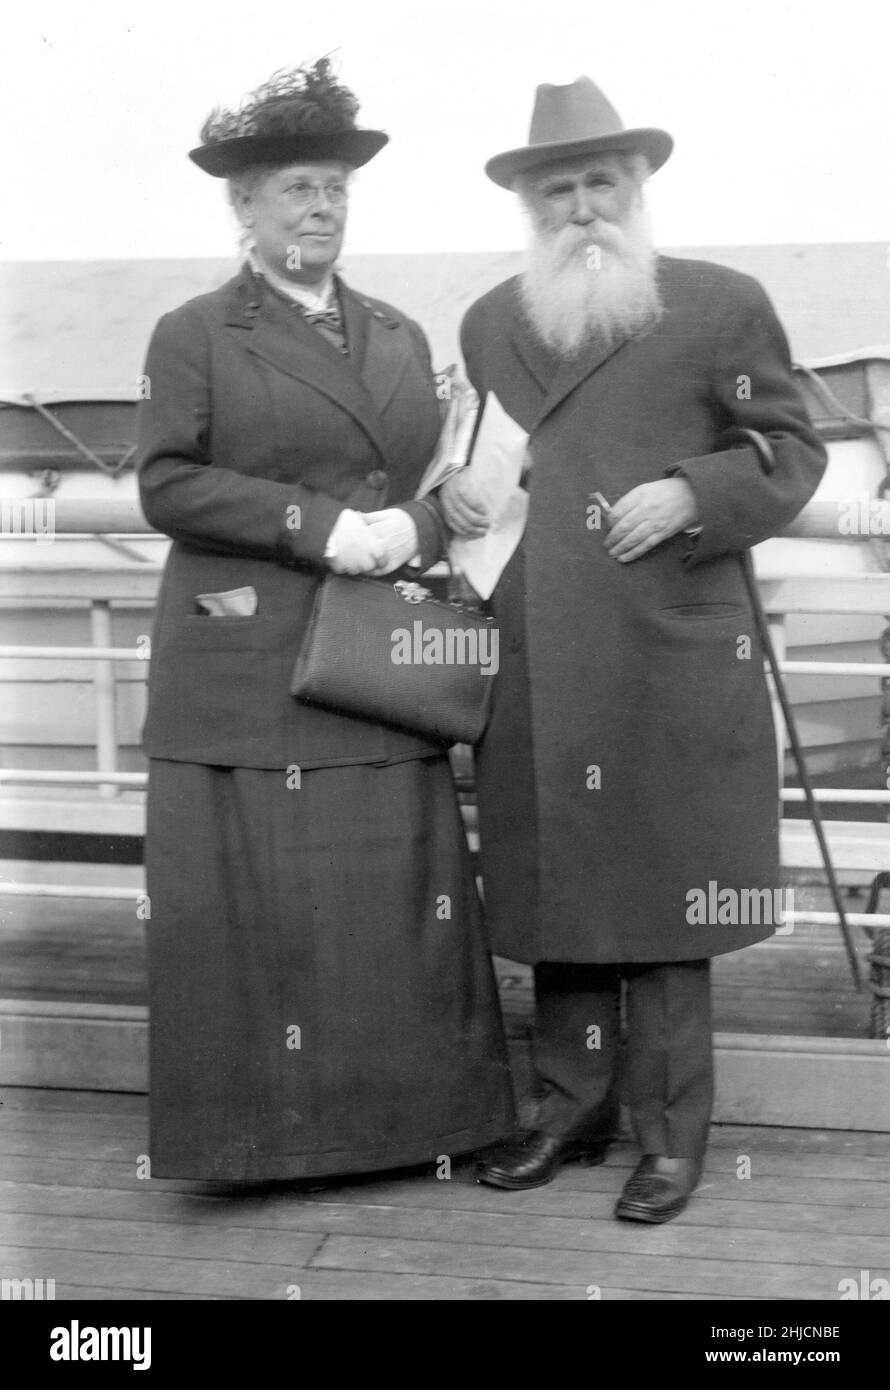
{"points": [[282, 337], [539, 361], [556, 377], [571, 373]]}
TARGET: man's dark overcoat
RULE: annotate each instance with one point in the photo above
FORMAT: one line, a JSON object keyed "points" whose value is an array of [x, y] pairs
{"points": [[630, 761]]}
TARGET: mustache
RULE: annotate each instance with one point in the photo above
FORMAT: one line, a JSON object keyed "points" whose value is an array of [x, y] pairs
{"points": [[566, 244]]}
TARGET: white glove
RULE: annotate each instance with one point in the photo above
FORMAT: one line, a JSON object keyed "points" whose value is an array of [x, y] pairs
{"points": [[353, 547], [397, 532]]}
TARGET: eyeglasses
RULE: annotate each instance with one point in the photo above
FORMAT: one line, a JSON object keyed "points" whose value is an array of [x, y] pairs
{"points": [[303, 193]]}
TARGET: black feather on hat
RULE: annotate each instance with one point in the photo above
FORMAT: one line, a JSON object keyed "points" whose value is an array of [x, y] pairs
{"points": [[299, 114]]}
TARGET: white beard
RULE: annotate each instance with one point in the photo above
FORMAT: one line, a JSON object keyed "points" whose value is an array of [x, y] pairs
{"points": [[581, 285]]}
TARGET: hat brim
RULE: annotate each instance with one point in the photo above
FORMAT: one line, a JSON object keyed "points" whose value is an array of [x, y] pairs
{"points": [[655, 144], [226, 158]]}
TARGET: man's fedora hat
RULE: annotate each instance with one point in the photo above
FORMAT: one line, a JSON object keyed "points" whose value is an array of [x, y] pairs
{"points": [[576, 119], [299, 114]]}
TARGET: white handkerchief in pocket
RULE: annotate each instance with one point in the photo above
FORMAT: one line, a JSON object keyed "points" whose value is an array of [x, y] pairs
{"points": [[231, 603]]}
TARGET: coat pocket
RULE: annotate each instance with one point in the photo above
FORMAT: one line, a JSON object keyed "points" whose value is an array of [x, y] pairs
{"points": [[190, 629], [218, 691], [704, 610]]}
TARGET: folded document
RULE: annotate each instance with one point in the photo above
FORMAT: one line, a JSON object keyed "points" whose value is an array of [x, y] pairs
{"points": [[500, 454]]}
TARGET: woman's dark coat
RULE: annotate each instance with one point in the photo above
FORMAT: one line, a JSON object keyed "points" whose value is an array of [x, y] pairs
{"points": [[297, 434], [630, 761], [313, 1008]]}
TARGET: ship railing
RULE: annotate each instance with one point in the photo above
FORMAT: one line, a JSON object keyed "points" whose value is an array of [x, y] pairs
{"points": [[867, 593]]}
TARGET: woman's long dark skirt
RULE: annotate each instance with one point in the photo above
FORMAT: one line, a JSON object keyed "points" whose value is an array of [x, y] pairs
{"points": [[320, 996]]}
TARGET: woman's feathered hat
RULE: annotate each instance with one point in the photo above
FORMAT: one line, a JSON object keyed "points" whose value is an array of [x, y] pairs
{"points": [[299, 114]]}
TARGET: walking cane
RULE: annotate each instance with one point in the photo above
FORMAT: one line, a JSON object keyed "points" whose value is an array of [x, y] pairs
{"points": [[767, 461]]}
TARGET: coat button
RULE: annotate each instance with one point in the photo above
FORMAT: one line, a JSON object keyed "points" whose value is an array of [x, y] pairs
{"points": [[377, 479]]}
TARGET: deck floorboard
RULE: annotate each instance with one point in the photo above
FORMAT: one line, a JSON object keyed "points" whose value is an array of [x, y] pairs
{"points": [[815, 1210]]}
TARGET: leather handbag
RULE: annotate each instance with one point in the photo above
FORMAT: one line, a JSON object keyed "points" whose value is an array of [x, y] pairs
{"points": [[388, 650]]}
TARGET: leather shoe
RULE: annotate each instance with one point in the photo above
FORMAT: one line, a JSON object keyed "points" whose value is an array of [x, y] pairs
{"points": [[532, 1158], [658, 1189]]}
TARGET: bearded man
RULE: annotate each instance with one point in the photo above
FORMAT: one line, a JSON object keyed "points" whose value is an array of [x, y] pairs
{"points": [[630, 760]]}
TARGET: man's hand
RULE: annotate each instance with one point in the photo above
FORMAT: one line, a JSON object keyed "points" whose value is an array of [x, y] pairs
{"points": [[353, 547], [398, 533], [648, 515], [465, 512]]}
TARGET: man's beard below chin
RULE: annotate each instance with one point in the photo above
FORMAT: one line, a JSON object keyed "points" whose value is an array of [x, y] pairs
{"points": [[577, 289]]}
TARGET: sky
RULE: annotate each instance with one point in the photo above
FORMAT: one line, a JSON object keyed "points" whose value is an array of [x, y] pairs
{"points": [[780, 110]]}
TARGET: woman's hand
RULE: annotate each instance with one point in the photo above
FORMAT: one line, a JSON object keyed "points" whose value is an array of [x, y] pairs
{"points": [[648, 515], [463, 507], [353, 547], [398, 533]]}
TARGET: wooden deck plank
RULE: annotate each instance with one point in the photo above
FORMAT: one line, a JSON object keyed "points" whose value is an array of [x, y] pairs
{"points": [[581, 1188], [127, 1147], [769, 1138], [815, 1210], [522, 1207], [293, 1210], [120, 1149], [168, 1274], [602, 1268], [40, 1100], [117, 1176], [599, 1184], [291, 1231], [84, 1173], [151, 1277], [573, 1272], [187, 1239], [322, 1284], [81, 1292], [57, 1124]]}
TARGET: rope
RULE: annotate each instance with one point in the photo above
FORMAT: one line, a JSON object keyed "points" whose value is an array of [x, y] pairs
{"points": [[830, 400], [85, 452]]}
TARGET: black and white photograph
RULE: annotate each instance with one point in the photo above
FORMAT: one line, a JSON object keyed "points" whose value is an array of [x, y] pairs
{"points": [[445, 660]]}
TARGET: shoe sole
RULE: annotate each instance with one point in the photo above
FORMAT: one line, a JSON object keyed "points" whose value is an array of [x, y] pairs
{"points": [[624, 1212], [584, 1160]]}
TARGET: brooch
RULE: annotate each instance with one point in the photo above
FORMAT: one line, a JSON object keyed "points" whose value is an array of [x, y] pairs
{"points": [[411, 592]]}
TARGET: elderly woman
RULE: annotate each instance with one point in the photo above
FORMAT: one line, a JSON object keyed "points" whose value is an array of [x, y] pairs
{"points": [[314, 1007]]}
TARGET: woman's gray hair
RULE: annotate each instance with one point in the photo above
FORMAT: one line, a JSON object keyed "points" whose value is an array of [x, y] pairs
{"points": [[248, 179], [241, 184]]}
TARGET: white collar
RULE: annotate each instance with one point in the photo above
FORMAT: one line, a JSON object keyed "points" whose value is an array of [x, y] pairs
{"points": [[312, 298]]}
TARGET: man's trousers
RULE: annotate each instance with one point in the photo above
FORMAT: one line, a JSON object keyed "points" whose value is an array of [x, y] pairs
{"points": [[667, 1079]]}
